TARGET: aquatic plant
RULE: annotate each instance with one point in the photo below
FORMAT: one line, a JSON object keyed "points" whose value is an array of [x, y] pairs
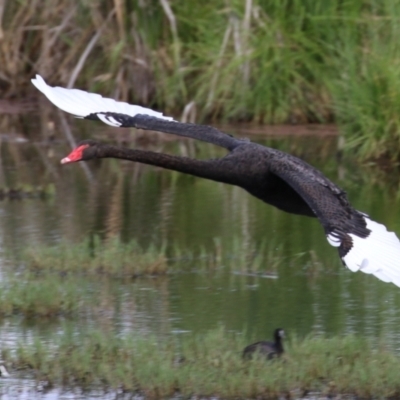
{"points": [[111, 257], [269, 62], [49, 295], [115, 259], [210, 365]]}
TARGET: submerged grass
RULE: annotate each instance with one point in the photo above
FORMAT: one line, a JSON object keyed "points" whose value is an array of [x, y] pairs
{"points": [[93, 256], [45, 296], [264, 61], [211, 365], [57, 280], [115, 259]]}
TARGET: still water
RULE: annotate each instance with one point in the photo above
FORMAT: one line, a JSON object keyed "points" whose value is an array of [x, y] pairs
{"points": [[304, 290]]}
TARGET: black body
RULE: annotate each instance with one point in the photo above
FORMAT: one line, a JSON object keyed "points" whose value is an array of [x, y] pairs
{"points": [[268, 349], [275, 177]]}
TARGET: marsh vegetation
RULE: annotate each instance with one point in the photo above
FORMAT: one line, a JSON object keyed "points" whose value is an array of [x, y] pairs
{"points": [[265, 62], [119, 279], [209, 365], [56, 281]]}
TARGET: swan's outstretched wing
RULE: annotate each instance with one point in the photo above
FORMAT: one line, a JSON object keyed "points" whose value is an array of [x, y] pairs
{"points": [[119, 114], [91, 105], [363, 244]]}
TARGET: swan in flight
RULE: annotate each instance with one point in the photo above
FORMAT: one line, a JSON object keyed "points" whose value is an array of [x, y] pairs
{"points": [[273, 176]]}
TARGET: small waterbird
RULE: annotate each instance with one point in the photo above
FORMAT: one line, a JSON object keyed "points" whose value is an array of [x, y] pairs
{"points": [[275, 177], [268, 349]]}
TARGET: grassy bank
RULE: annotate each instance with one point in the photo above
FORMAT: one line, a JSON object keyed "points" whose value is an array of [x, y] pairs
{"points": [[46, 296], [268, 62], [57, 280], [210, 365], [94, 257], [115, 259], [73, 280]]}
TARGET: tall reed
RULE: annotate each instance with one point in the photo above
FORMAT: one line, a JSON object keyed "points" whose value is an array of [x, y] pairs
{"points": [[254, 60]]}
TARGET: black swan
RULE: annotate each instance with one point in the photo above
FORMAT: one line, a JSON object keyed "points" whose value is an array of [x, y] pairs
{"points": [[275, 177], [268, 349]]}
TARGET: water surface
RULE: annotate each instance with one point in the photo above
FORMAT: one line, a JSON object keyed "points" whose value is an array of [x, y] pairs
{"points": [[304, 289]]}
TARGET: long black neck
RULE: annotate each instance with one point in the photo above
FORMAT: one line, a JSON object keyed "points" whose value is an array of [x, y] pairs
{"points": [[209, 169], [204, 133], [243, 167], [279, 345]]}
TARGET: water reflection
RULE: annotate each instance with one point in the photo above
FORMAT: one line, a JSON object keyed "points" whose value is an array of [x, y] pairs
{"points": [[313, 292]]}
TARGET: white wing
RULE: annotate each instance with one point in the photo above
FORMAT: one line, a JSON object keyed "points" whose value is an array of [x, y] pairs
{"points": [[82, 104], [3, 372], [377, 254]]}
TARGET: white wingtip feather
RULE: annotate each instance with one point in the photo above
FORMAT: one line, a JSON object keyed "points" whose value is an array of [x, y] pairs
{"points": [[82, 104], [3, 372], [377, 254]]}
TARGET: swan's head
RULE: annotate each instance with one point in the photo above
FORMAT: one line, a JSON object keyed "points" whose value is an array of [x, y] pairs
{"points": [[84, 151]]}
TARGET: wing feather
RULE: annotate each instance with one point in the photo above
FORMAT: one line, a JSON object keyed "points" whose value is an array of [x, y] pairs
{"points": [[363, 244], [83, 104]]}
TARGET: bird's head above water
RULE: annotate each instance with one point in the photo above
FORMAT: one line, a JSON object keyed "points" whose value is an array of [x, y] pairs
{"points": [[279, 334], [85, 150]]}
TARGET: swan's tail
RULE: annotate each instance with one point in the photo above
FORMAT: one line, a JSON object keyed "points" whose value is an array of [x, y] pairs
{"points": [[91, 105], [378, 253]]}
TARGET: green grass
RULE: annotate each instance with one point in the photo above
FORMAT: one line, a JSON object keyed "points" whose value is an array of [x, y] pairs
{"points": [[57, 280], [262, 61], [45, 296], [259, 258], [210, 365], [95, 257], [115, 259]]}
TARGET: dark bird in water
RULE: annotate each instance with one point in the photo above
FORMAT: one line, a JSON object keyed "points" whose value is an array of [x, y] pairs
{"points": [[268, 349], [275, 177]]}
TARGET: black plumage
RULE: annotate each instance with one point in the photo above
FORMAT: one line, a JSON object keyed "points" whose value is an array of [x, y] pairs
{"points": [[275, 177], [268, 349]]}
